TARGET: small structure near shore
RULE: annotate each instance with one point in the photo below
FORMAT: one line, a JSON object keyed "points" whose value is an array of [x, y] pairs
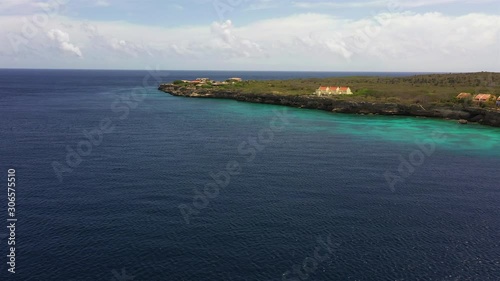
{"points": [[333, 90], [463, 96], [203, 80], [481, 98], [206, 82]]}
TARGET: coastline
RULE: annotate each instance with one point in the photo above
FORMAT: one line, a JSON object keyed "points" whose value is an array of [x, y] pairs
{"points": [[478, 115]]}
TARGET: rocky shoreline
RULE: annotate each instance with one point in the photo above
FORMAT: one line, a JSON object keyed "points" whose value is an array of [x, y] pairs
{"points": [[458, 112]]}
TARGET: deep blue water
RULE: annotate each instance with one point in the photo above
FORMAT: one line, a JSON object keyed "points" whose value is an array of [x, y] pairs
{"points": [[320, 177]]}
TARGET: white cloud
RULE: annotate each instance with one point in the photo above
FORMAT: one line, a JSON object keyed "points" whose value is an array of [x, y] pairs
{"points": [[383, 3], [128, 48], [110, 39], [62, 39], [309, 41], [225, 40]]}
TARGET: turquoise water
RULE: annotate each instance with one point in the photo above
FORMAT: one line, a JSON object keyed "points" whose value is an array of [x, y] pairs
{"points": [[473, 139]]}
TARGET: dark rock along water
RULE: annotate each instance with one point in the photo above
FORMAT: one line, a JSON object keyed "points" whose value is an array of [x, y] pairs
{"points": [[117, 212]]}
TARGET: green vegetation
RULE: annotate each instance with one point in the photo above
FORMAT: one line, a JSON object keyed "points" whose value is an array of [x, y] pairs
{"points": [[420, 89]]}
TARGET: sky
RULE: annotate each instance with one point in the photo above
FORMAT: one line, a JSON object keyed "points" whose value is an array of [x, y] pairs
{"points": [[342, 35]]}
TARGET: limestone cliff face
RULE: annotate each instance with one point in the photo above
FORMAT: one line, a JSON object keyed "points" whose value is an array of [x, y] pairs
{"points": [[471, 114]]}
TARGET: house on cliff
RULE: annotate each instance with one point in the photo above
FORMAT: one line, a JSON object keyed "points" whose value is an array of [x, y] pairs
{"points": [[192, 82], [203, 80], [333, 90], [481, 98], [463, 96]]}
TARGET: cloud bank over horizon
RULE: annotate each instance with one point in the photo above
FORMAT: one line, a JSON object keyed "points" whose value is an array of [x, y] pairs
{"points": [[253, 35]]}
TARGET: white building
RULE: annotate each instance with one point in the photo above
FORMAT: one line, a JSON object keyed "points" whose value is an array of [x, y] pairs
{"points": [[333, 90]]}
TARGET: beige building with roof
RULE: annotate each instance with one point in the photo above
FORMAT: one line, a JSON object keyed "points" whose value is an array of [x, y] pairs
{"points": [[333, 90], [462, 96], [480, 98]]}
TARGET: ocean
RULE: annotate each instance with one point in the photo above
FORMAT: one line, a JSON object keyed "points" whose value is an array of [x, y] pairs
{"points": [[116, 180]]}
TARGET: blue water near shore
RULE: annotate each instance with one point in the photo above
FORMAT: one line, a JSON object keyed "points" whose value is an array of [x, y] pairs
{"points": [[319, 183]]}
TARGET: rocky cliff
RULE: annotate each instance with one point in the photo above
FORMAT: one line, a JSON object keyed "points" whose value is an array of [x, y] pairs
{"points": [[458, 112]]}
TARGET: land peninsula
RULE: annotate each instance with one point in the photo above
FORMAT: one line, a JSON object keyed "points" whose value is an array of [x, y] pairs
{"points": [[467, 97]]}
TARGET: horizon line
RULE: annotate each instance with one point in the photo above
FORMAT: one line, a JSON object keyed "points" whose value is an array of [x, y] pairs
{"points": [[212, 70]]}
